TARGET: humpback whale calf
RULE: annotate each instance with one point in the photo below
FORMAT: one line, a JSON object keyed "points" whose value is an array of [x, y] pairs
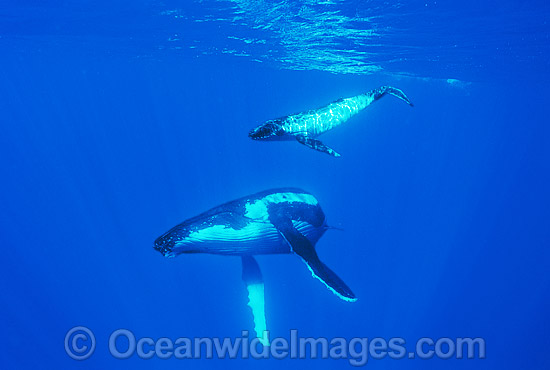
{"points": [[275, 221], [306, 126]]}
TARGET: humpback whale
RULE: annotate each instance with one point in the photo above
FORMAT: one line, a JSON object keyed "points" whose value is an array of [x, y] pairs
{"points": [[306, 126], [277, 221]]}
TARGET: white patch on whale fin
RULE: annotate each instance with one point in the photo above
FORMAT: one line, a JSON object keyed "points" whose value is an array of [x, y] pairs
{"points": [[252, 277], [256, 302]]}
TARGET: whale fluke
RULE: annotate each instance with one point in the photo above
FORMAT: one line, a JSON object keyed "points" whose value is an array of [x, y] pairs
{"points": [[381, 91]]}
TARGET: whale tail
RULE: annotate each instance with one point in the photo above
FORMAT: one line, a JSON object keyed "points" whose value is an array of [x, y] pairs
{"points": [[381, 91]]}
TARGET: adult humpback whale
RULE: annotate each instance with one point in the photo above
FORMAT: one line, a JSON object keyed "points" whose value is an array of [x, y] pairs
{"points": [[275, 221], [305, 126]]}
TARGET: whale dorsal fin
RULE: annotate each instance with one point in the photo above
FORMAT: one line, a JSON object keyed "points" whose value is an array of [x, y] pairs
{"points": [[301, 245], [316, 144]]}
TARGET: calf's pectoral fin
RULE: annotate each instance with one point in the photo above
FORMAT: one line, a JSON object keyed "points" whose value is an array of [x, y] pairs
{"points": [[301, 245], [316, 144]]}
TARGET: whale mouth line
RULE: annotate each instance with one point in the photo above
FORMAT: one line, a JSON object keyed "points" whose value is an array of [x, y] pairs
{"points": [[263, 137], [253, 135], [166, 251], [256, 134], [266, 131]]}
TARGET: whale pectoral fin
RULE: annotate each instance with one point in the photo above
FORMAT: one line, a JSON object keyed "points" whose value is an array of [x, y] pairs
{"points": [[316, 144], [322, 272], [303, 248], [252, 277]]}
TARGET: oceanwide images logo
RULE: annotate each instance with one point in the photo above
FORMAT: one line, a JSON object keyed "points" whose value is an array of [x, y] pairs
{"points": [[80, 344]]}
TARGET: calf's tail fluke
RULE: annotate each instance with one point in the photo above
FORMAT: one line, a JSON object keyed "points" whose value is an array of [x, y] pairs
{"points": [[381, 91]]}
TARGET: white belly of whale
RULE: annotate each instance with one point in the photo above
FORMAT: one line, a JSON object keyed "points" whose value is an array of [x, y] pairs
{"points": [[255, 238]]}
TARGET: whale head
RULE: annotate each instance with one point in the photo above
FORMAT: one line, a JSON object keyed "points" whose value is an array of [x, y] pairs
{"points": [[175, 242], [165, 245], [270, 130]]}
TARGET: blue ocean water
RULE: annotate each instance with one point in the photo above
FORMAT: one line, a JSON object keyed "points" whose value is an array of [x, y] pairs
{"points": [[120, 120]]}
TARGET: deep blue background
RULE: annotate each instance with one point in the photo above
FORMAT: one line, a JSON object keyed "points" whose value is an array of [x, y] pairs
{"points": [[106, 142]]}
